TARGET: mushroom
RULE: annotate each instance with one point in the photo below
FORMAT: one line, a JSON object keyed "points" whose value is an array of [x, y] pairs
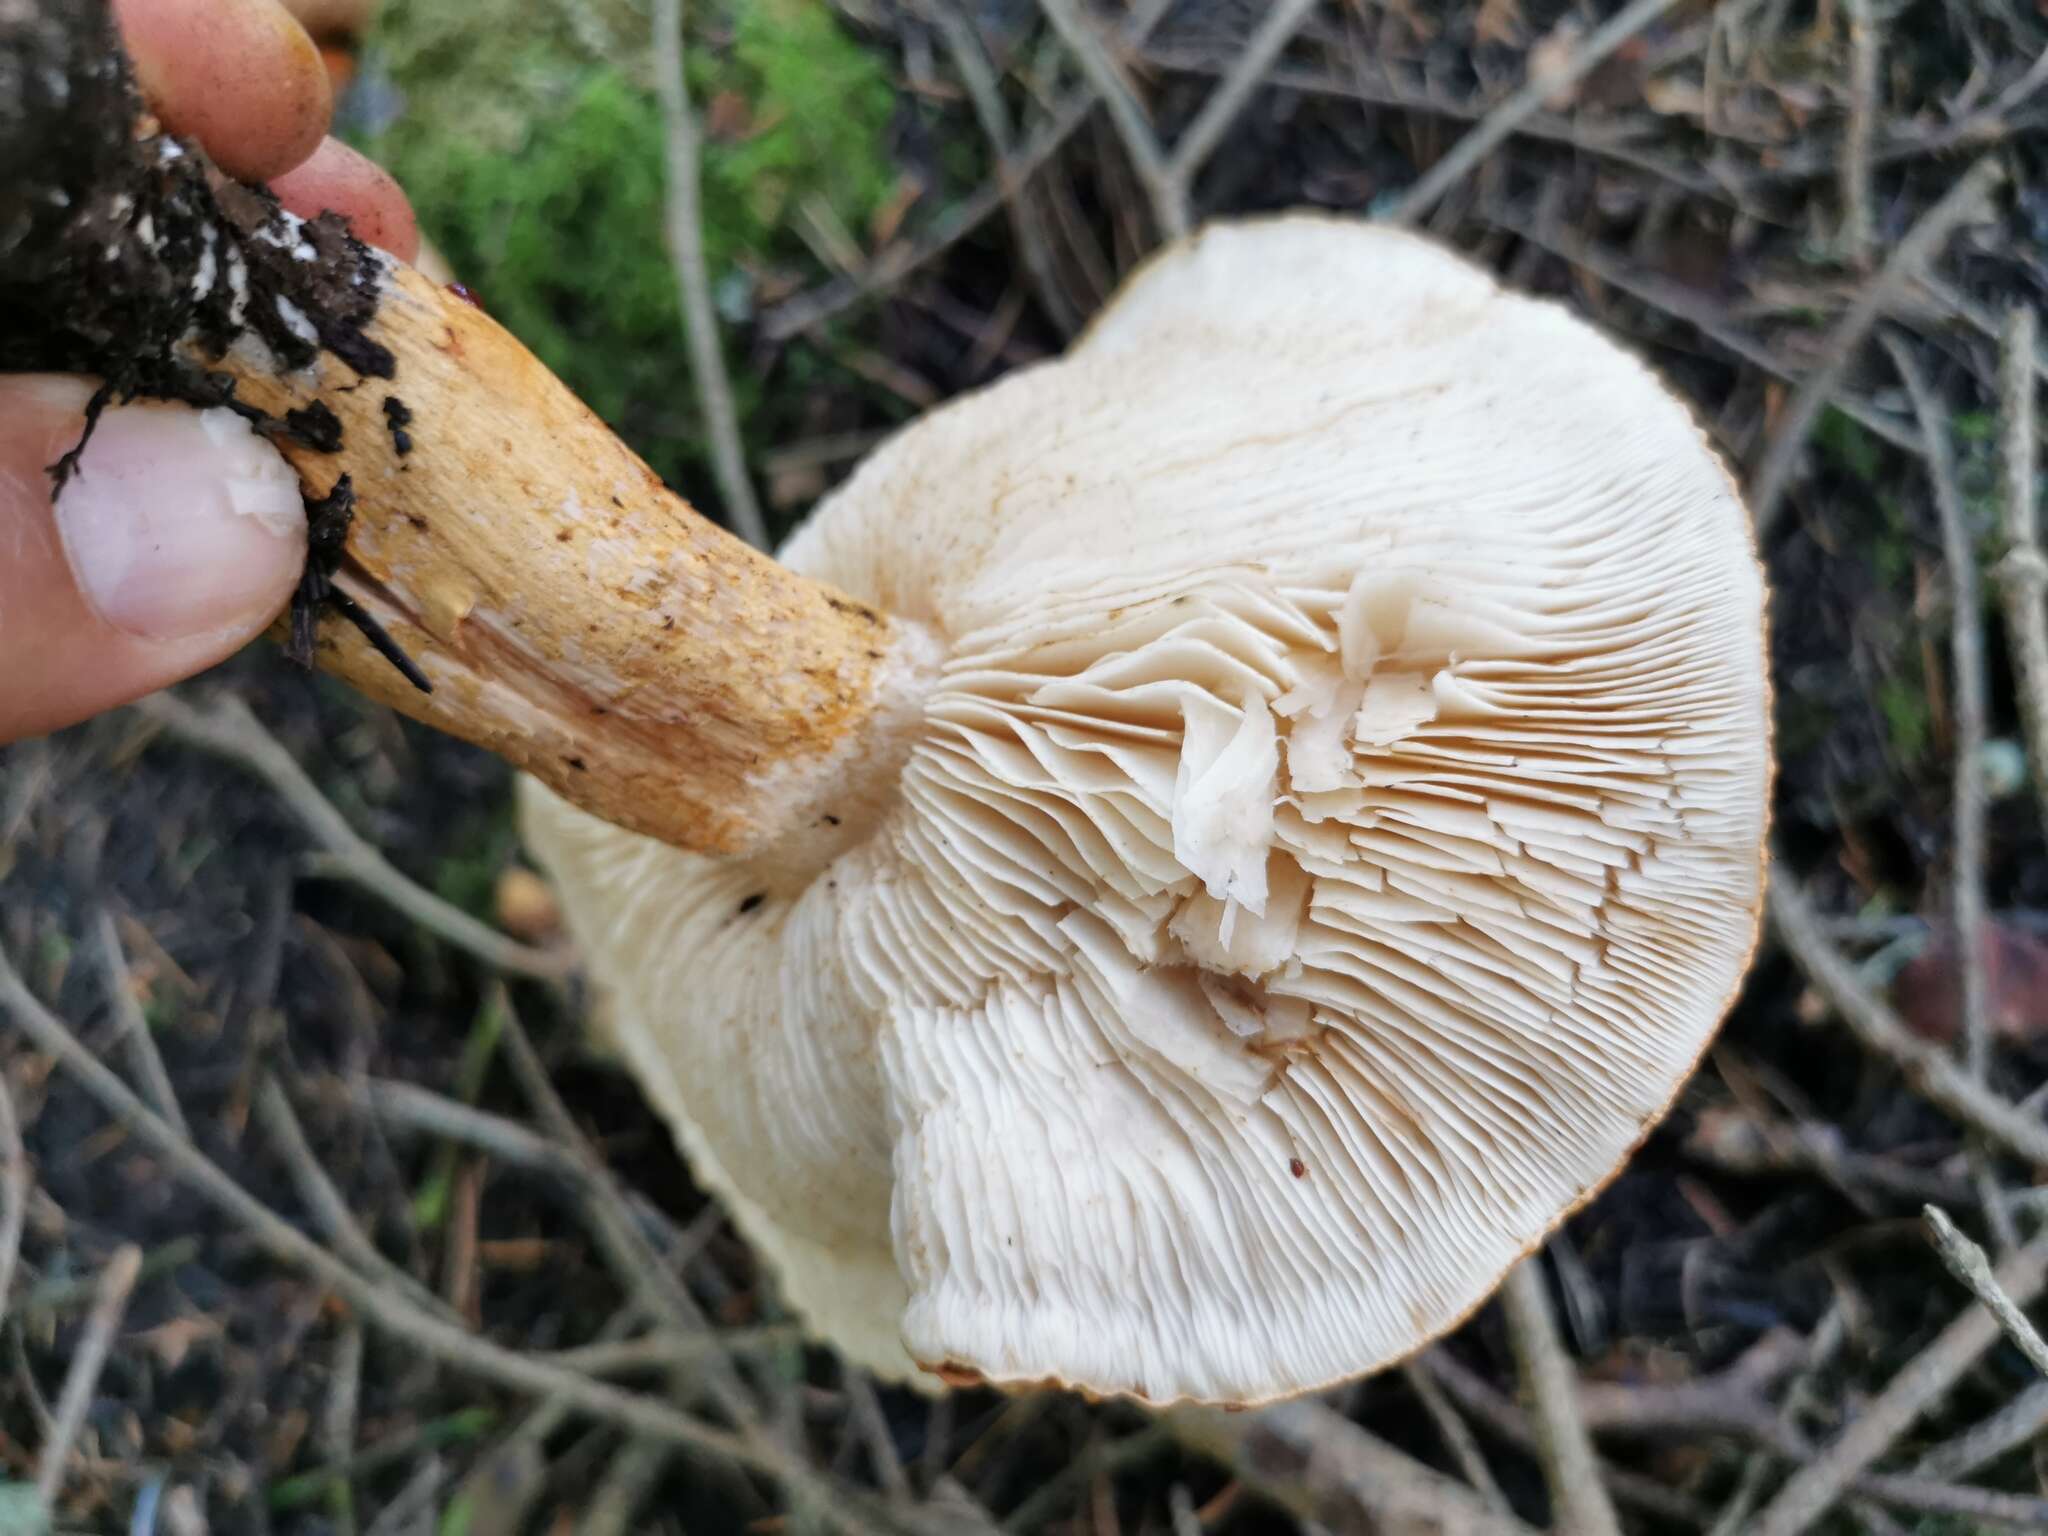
{"points": [[1200, 855], [1316, 830]]}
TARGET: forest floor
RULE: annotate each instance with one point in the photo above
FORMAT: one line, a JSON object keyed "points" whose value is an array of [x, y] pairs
{"points": [[1801, 213]]}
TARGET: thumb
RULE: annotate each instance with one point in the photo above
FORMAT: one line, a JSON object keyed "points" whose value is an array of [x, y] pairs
{"points": [[181, 535]]}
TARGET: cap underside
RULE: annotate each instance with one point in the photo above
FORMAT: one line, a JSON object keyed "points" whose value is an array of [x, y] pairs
{"points": [[1333, 837]]}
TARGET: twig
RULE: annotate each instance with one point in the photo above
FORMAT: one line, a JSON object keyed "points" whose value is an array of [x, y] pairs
{"points": [[1504, 119], [1579, 1501], [964, 47], [2023, 573], [1457, 1436], [1749, 1489], [660, 1351], [684, 224], [1967, 1262], [1938, 1079], [409, 1107], [116, 1283], [611, 1217], [229, 730], [1199, 139], [1689, 308], [1966, 660], [634, 1470], [2017, 1423], [1856, 135], [1980, 1506], [1133, 127], [1966, 644], [1921, 244], [611, 1220], [1344, 1468], [794, 316], [390, 1310], [338, 1421], [323, 1201], [1388, 91], [13, 1191], [866, 1411], [137, 1042], [1730, 1401], [1098, 1459], [1814, 1488], [1761, 1145], [413, 1504]]}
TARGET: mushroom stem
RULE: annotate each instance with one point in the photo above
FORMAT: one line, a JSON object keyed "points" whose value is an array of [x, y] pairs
{"points": [[571, 613], [517, 576]]}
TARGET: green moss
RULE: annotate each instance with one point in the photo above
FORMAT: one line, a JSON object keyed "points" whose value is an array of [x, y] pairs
{"points": [[529, 137], [468, 878], [1907, 724], [1847, 446]]}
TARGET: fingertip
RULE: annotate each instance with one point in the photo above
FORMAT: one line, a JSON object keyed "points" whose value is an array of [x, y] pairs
{"points": [[240, 76], [336, 177], [181, 536]]}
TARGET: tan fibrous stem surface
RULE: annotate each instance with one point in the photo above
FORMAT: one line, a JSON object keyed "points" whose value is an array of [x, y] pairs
{"points": [[574, 615]]}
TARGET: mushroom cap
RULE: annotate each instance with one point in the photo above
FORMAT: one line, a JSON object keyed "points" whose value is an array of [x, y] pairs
{"points": [[1332, 835]]}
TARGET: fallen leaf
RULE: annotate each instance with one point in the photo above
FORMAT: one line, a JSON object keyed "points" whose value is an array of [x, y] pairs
{"points": [[1499, 21], [728, 117], [1552, 57], [888, 218], [1674, 96], [525, 905], [171, 1342], [1928, 992]]}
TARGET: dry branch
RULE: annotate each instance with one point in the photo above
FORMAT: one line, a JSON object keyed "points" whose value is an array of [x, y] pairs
{"points": [[2023, 573], [1857, 133], [1457, 1436], [1961, 203], [1816, 1486], [1140, 140], [337, 1431], [1938, 1079], [136, 1041], [684, 225], [970, 62], [1333, 1466], [227, 729], [1504, 119], [1578, 1501], [793, 316], [390, 1310], [116, 1282], [1967, 1262], [323, 1201], [1966, 655], [14, 1179], [634, 1470], [2014, 1425], [1248, 71]]}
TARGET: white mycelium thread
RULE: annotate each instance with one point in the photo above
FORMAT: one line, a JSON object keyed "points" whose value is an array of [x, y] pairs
{"points": [[1332, 839]]}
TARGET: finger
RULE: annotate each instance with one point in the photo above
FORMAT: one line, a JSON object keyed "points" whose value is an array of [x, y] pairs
{"points": [[241, 76], [180, 537], [333, 18], [337, 177]]}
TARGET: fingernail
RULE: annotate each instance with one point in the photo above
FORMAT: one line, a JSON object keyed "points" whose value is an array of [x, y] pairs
{"points": [[181, 523]]}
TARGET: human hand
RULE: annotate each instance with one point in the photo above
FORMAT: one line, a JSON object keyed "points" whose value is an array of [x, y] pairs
{"points": [[182, 533]]}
